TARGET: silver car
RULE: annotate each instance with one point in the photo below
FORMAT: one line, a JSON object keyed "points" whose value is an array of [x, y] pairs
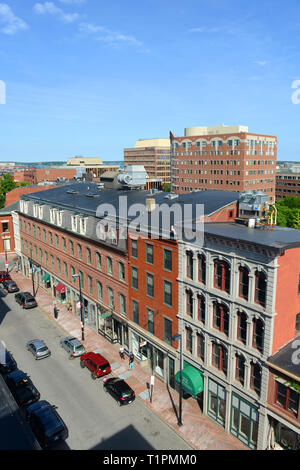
{"points": [[73, 346], [38, 348]]}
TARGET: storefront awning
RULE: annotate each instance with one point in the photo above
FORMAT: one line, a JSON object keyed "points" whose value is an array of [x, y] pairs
{"points": [[192, 380], [61, 288], [106, 315], [46, 277]]}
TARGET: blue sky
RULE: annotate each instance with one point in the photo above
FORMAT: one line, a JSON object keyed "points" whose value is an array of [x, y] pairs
{"points": [[90, 77]]}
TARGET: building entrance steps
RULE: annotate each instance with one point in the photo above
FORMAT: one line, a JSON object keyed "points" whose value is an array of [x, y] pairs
{"points": [[198, 430]]}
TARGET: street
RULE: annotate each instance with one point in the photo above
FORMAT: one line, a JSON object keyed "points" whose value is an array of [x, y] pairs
{"points": [[94, 419]]}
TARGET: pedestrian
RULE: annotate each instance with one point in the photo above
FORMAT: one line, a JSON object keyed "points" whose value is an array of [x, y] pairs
{"points": [[56, 312], [121, 352], [131, 360]]}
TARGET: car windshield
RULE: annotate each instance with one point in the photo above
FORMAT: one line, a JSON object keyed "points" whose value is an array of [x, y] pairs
{"points": [[79, 348], [103, 366], [43, 349]]}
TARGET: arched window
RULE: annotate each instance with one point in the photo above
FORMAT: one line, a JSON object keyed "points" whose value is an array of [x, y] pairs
{"points": [[255, 377], [189, 303], [202, 269], [189, 265], [242, 327], [240, 368], [201, 308], [258, 334], [200, 345], [220, 317], [219, 357], [243, 282], [189, 340], [222, 275], [260, 288]]}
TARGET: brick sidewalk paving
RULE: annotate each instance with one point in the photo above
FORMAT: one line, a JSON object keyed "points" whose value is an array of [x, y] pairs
{"points": [[198, 430]]}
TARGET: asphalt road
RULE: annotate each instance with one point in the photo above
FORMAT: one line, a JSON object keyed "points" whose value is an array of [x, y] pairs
{"points": [[94, 419]]}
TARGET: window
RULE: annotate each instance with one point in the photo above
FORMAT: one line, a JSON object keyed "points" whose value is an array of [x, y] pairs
{"points": [[64, 244], [88, 256], [167, 260], [52, 262], [258, 333], [150, 285], [90, 285], [46, 258], [287, 398], [111, 297], [297, 323], [57, 241], [122, 271], [41, 255], [109, 266], [200, 346], [100, 291], [168, 293], [220, 317], [123, 304], [79, 251], [222, 275], [81, 278], [168, 331], [149, 253], [39, 233], [135, 312], [201, 308], [260, 288], [66, 270], [150, 320], [242, 327], [50, 238], [244, 283], [255, 377], [219, 357], [134, 248], [134, 278], [189, 303], [189, 340], [189, 265], [98, 260], [202, 269], [45, 236], [58, 265], [72, 274], [299, 285], [240, 368]]}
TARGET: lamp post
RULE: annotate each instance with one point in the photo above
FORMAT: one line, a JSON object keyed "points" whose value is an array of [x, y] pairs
{"points": [[178, 337], [81, 304], [32, 271], [6, 261]]}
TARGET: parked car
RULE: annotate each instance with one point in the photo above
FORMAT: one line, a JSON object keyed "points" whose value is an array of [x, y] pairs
{"points": [[26, 299], [119, 390], [38, 348], [10, 286], [22, 388], [46, 424], [73, 346], [4, 276], [96, 363], [7, 362]]}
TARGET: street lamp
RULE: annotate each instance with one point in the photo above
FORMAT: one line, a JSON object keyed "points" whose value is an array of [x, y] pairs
{"points": [[6, 261], [32, 271], [74, 276], [178, 337]]}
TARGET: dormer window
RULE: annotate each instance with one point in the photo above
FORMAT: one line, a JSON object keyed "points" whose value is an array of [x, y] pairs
{"points": [[83, 225], [35, 210], [59, 218], [52, 216], [74, 222], [40, 212]]}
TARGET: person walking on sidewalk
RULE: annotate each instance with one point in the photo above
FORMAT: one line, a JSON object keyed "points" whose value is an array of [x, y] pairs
{"points": [[131, 360], [121, 352]]}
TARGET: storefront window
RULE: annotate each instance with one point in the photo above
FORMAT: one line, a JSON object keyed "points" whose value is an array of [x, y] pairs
{"points": [[244, 421], [217, 402]]}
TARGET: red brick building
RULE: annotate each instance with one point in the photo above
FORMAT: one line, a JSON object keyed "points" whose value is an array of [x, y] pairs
{"points": [[224, 158], [34, 175]]}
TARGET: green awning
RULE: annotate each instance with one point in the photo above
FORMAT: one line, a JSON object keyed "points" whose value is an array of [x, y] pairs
{"points": [[192, 380], [46, 277], [106, 315]]}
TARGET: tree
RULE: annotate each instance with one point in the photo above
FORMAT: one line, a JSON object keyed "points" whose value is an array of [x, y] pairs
{"points": [[7, 183], [166, 187]]}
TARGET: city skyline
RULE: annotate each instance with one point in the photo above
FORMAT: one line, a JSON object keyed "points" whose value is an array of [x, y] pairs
{"points": [[91, 78]]}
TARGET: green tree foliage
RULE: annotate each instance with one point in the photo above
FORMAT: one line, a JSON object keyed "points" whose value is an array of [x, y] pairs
{"points": [[7, 183], [166, 187], [288, 212]]}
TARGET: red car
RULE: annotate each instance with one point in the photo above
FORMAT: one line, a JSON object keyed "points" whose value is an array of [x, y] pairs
{"points": [[4, 276], [96, 363]]}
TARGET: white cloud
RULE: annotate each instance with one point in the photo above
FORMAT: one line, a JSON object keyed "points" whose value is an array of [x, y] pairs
{"points": [[73, 2], [261, 63], [9, 22], [204, 29], [51, 9], [107, 35]]}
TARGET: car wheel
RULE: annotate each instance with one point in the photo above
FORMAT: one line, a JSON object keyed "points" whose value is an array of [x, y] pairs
{"points": [[94, 376], [119, 403], [82, 364]]}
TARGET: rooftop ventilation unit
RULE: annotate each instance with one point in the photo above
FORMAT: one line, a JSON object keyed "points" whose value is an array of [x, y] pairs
{"points": [[171, 196]]}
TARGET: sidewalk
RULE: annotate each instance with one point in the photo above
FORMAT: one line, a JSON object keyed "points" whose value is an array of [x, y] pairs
{"points": [[198, 430]]}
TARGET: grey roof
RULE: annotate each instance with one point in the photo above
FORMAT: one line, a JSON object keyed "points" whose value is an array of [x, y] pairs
{"points": [[288, 357], [87, 197], [8, 209], [281, 238]]}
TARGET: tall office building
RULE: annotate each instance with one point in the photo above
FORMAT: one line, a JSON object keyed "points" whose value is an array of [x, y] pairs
{"points": [[228, 158]]}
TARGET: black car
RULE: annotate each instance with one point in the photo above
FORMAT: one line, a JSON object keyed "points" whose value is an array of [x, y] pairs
{"points": [[7, 362], [46, 424], [10, 286], [22, 388], [25, 299], [119, 390]]}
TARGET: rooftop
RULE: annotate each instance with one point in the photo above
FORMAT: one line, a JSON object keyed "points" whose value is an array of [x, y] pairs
{"points": [[287, 358]]}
